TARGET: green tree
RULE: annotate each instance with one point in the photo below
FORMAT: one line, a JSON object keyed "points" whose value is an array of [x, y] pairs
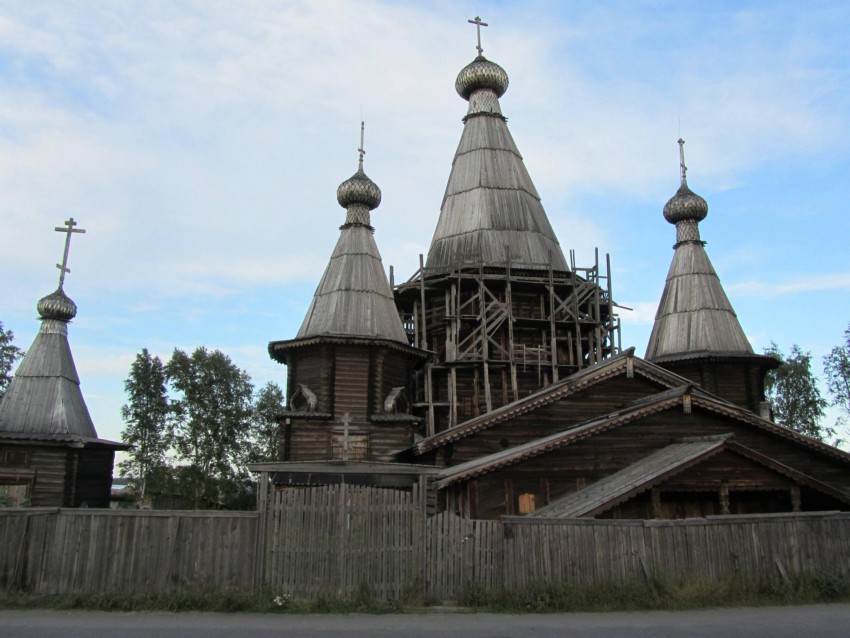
{"points": [[836, 368], [9, 354], [793, 391], [212, 424], [268, 403], [146, 415]]}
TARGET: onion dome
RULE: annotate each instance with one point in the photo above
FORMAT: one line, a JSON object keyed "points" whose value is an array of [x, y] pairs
{"points": [[359, 189], [57, 305], [481, 73], [685, 204], [353, 298]]}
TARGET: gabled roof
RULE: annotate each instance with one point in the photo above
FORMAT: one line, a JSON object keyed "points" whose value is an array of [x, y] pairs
{"points": [[686, 396], [44, 397], [632, 480], [491, 212], [659, 466], [623, 363]]}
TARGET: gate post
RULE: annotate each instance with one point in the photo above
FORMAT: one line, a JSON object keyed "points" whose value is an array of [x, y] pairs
{"points": [[260, 537]]}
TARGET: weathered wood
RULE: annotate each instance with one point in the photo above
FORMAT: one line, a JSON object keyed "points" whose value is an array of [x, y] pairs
{"points": [[336, 539]]}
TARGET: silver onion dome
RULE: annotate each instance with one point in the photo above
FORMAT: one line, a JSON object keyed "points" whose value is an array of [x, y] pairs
{"points": [[359, 189], [57, 305], [481, 73], [685, 205]]}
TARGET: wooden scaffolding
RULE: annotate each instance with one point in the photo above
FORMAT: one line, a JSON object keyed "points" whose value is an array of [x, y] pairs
{"points": [[498, 333]]}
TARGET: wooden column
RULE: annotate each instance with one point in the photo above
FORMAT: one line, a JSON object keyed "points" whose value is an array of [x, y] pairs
{"points": [[724, 499]]}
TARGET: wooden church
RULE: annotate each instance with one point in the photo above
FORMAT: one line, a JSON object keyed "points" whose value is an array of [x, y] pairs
{"points": [[50, 453], [496, 369]]}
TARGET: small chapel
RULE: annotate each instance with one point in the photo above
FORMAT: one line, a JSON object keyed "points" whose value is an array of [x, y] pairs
{"points": [[50, 452], [495, 373]]}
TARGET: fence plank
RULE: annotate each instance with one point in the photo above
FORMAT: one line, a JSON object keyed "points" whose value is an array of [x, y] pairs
{"points": [[331, 539]]}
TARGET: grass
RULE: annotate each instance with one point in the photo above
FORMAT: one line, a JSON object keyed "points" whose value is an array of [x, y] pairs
{"points": [[662, 594], [657, 594]]}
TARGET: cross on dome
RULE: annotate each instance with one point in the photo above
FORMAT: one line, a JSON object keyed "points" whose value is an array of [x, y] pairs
{"points": [[478, 24], [68, 228], [682, 161], [362, 149]]}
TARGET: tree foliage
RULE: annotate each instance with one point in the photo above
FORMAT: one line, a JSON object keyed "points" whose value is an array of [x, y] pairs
{"points": [[268, 403], [212, 422], [836, 368], [146, 415], [9, 354], [793, 391], [195, 425]]}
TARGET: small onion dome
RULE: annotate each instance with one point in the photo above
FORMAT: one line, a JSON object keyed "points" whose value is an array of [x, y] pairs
{"points": [[57, 305], [685, 204], [359, 189], [481, 74]]}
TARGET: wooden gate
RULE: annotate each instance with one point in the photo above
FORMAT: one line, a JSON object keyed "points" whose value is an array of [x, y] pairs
{"points": [[340, 538]]}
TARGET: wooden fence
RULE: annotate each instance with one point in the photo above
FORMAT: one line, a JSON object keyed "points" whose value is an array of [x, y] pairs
{"points": [[588, 550], [335, 539], [54, 551]]}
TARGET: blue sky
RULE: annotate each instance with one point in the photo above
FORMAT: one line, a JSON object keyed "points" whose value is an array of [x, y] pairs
{"points": [[200, 144]]}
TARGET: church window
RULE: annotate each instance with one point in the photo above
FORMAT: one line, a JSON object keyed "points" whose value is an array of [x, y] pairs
{"points": [[15, 458], [527, 503]]}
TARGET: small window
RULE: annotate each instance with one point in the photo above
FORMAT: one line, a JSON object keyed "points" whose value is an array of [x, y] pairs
{"points": [[15, 458], [527, 503]]}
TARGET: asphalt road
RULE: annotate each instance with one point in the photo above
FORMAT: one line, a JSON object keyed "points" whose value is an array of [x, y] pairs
{"points": [[820, 621]]}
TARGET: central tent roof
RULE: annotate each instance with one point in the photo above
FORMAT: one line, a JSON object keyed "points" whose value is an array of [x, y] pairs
{"points": [[491, 212]]}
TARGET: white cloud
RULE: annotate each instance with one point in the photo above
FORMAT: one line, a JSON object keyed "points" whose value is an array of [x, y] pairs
{"points": [[201, 145], [795, 285], [640, 313]]}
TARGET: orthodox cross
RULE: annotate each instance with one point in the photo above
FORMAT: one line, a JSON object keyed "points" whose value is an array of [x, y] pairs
{"points": [[346, 421], [478, 24], [361, 150], [68, 228], [682, 161]]}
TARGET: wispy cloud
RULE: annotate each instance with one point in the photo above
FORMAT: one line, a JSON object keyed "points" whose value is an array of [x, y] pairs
{"points": [[640, 313], [201, 146], [808, 283]]}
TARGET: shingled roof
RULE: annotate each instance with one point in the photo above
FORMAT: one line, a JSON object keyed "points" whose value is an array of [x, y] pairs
{"points": [[44, 401], [661, 465], [353, 298], [685, 396], [632, 480], [622, 363], [694, 315], [491, 212]]}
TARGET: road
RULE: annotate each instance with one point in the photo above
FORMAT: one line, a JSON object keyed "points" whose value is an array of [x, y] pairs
{"points": [[823, 621]]}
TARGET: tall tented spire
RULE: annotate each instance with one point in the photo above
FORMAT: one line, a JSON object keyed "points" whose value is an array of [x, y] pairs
{"points": [[44, 397], [491, 212], [694, 315], [353, 298]]}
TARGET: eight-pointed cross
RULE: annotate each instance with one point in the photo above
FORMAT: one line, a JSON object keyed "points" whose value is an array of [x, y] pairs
{"points": [[478, 24], [68, 228]]}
